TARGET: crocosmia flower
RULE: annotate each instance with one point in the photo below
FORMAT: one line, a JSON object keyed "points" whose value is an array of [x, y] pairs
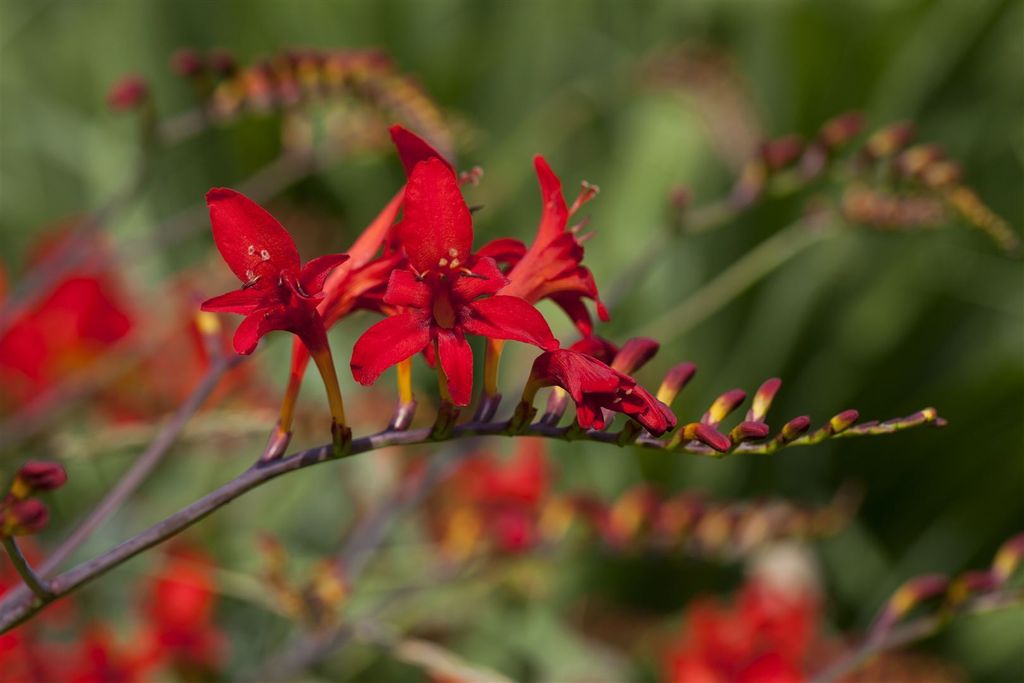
{"points": [[595, 387], [278, 292], [446, 292], [550, 268]]}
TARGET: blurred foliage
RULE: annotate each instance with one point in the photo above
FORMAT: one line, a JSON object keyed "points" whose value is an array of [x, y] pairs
{"points": [[886, 323]]}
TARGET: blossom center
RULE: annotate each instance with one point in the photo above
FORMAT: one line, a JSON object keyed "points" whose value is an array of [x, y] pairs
{"points": [[444, 311]]}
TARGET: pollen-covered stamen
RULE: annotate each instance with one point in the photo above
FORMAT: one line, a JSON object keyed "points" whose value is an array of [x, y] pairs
{"points": [[587, 192]]}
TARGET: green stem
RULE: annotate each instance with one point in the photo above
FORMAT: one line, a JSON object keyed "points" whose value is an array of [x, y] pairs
{"points": [[734, 280]]}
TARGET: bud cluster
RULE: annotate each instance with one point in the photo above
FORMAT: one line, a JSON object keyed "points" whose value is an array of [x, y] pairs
{"points": [[20, 512]]}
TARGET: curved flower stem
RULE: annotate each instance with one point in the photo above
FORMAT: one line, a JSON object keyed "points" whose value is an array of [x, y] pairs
{"points": [[736, 279], [140, 469], [913, 631], [17, 607], [35, 583]]}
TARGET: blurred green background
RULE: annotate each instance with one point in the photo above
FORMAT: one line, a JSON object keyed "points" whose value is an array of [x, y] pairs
{"points": [[886, 323]]}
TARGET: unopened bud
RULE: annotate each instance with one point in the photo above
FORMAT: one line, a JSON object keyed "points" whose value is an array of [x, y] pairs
{"points": [[38, 475], [723, 405], [707, 435], [675, 381], [186, 62], [749, 431], [1008, 558], [913, 161], [128, 93], [634, 354], [889, 140], [795, 428], [781, 152], [843, 421], [941, 174], [763, 398], [20, 517], [837, 131]]}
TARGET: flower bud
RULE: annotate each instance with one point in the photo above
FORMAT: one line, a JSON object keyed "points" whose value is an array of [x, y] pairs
{"points": [[843, 421], [781, 152], [675, 381], [889, 140], [1008, 558], [634, 354], [763, 399], [749, 431], [794, 429], [128, 93], [707, 435], [186, 62], [723, 405], [20, 517], [38, 475], [837, 131]]}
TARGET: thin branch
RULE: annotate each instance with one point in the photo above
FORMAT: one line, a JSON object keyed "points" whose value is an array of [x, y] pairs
{"points": [[144, 464], [25, 571], [15, 609], [913, 631]]}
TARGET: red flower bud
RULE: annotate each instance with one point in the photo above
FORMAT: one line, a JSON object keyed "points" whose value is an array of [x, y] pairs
{"points": [[634, 354], [843, 421], [187, 62], [795, 428], [38, 475], [675, 381], [20, 517], [128, 93]]}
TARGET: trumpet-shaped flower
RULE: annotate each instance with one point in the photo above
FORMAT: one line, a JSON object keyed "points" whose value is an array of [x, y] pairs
{"points": [[594, 386], [446, 292], [278, 292], [550, 268]]}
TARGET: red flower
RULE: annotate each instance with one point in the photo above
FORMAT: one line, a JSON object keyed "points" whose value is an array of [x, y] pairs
{"points": [[594, 386], [504, 498], [442, 289], [766, 637], [180, 613], [550, 268], [79, 321], [278, 292]]}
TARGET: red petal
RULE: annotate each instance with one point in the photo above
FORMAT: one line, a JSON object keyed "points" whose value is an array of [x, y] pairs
{"points": [[554, 213], [487, 278], [316, 271], [404, 289], [251, 241], [456, 358], [508, 317], [437, 224], [368, 243], [391, 340], [413, 149], [503, 250], [255, 325], [243, 301]]}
